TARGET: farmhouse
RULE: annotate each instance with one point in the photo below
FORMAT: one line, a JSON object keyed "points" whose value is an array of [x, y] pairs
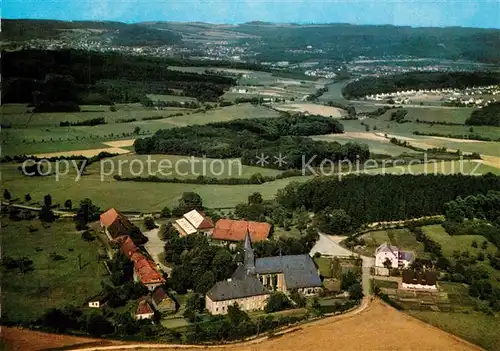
{"points": [[255, 279], [162, 302], [414, 280], [397, 258], [232, 231], [98, 301], [114, 224], [194, 222], [145, 271], [144, 310]]}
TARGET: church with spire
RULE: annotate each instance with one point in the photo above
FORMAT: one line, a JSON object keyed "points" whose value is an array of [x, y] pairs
{"points": [[255, 280]]}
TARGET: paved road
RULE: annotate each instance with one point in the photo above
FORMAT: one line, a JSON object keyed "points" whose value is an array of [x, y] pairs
{"points": [[155, 247], [35, 208], [328, 245]]}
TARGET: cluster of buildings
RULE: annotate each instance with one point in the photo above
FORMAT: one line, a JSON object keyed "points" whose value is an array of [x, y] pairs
{"points": [[320, 73], [388, 257], [458, 97], [145, 272], [253, 281], [251, 284]]}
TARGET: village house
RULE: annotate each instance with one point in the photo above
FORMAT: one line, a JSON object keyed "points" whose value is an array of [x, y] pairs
{"points": [[194, 222], [413, 280], [228, 231], [398, 258], [145, 271], [114, 224], [162, 302], [144, 310], [253, 281], [98, 301]]}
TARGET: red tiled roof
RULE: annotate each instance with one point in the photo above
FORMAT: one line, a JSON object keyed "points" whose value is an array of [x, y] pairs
{"points": [[147, 272], [127, 245], [143, 308], [231, 230], [108, 217], [206, 224]]}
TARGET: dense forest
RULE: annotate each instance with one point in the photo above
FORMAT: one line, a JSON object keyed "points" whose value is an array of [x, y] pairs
{"points": [[371, 198], [418, 80], [248, 137], [487, 116], [124, 78]]}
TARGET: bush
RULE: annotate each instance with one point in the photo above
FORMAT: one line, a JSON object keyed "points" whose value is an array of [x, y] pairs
{"points": [[149, 223]]}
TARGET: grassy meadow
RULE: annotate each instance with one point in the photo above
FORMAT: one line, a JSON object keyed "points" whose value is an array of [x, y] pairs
{"points": [[42, 134], [475, 327], [460, 243], [52, 283]]}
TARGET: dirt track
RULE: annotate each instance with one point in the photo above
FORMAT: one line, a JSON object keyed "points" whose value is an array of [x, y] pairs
{"points": [[378, 327]]}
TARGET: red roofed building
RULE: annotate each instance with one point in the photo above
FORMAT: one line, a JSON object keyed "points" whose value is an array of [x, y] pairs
{"points": [[228, 230], [114, 225], [145, 272], [127, 245], [144, 310]]}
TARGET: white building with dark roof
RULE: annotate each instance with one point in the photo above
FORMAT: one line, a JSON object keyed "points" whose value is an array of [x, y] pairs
{"points": [[398, 258]]}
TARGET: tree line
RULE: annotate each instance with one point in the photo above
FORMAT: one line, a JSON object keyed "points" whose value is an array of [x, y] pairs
{"points": [[487, 116], [374, 198]]}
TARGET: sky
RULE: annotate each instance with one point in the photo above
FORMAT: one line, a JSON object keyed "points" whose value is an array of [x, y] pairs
{"points": [[417, 13]]}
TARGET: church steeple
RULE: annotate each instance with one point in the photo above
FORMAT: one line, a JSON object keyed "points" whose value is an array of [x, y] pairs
{"points": [[249, 255]]}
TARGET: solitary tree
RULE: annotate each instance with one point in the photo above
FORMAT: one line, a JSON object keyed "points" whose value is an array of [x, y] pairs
{"points": [[68, 204], [387, 263], [47, 200], [6, 195], [27, 197]]}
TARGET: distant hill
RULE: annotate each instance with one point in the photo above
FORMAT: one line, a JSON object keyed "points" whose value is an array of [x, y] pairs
{"points": [[349, 41], [273, 41], [121, 33]]}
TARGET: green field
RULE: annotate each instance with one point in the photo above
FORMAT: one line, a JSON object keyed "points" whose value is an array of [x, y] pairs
{"points": [[377, 147], [42, 135], [51, 283], [385, 284], [131, 196], [156, 97], [462, 243], [175, 166], [475, 327], [456, 242]]}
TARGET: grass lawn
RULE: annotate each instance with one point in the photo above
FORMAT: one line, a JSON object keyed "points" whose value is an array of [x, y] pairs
{"points": [[281, 232], [458, 294], [175, 166], [375, 146], [51, 283], [475, 327], [131, 196], [456, 242], [386, 284], [156, 97], [324, 266]]}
